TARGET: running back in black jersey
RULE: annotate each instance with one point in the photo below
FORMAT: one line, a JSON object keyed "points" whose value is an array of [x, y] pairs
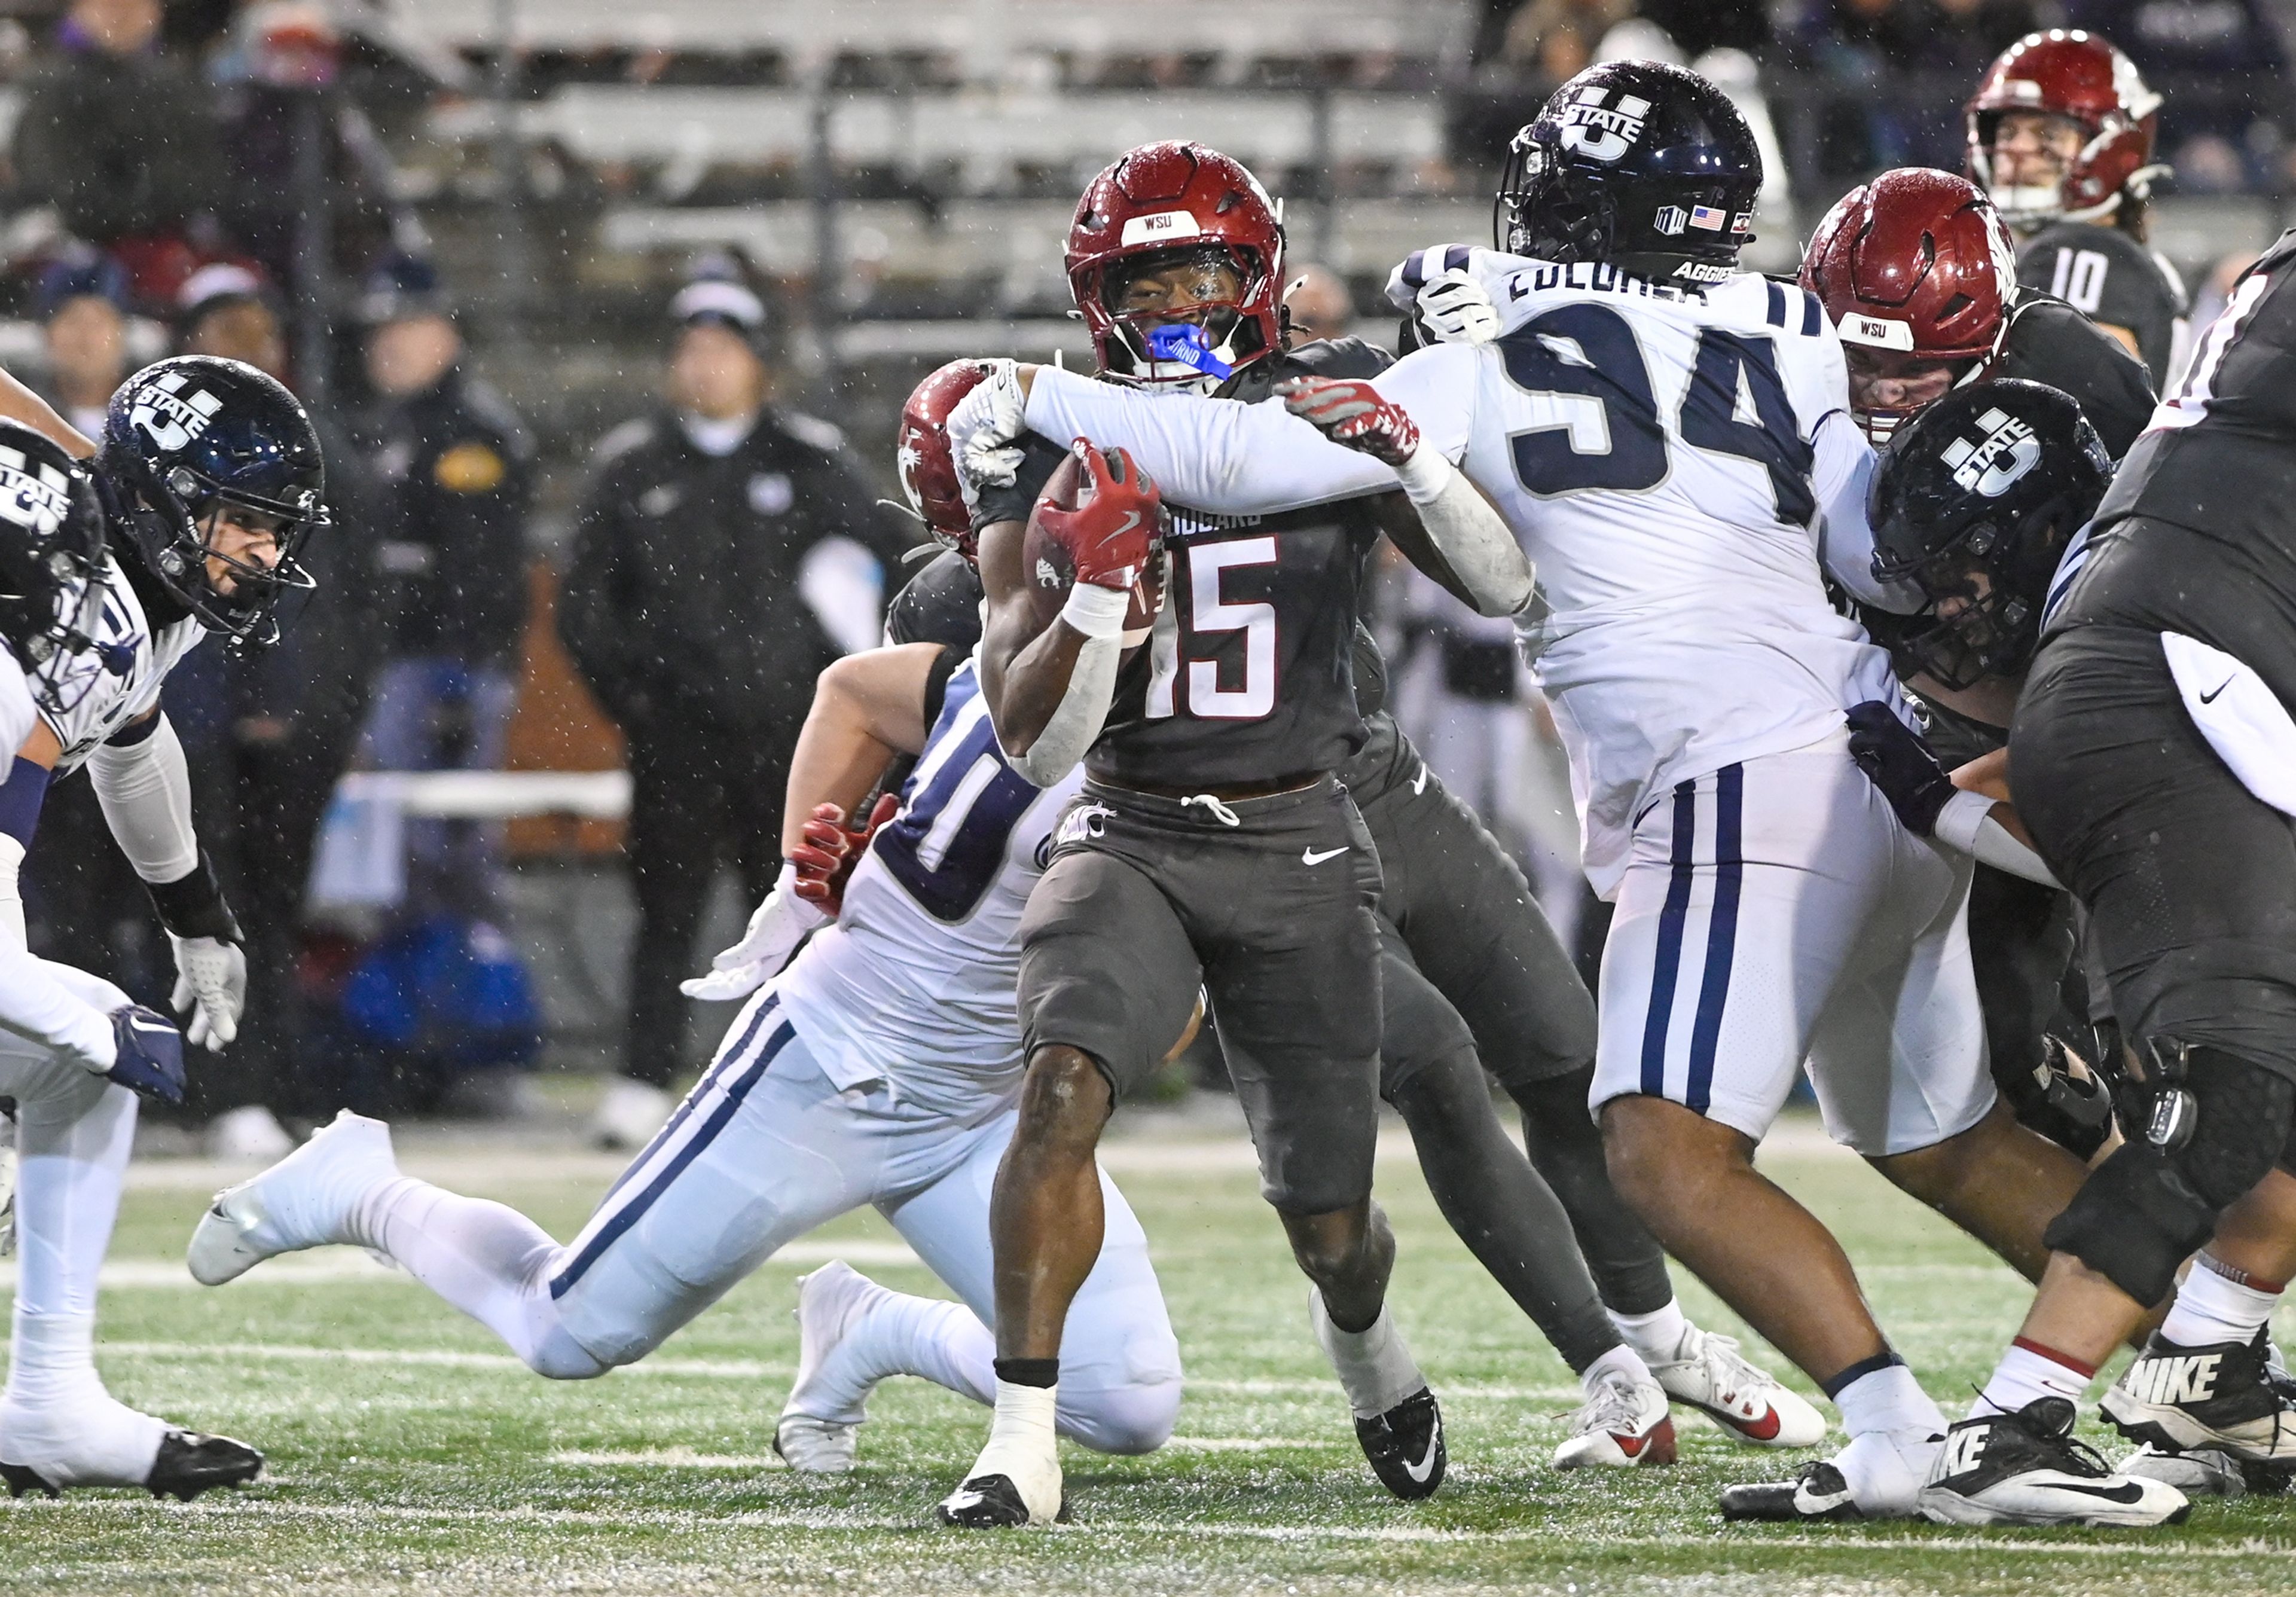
{"points": [[1247, 679], [2049, 341], [2113, 280], [2197, 533]]}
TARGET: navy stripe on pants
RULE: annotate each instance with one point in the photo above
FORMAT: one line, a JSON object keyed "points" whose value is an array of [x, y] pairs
{"points": [[1668, 965], [1721, 933]]}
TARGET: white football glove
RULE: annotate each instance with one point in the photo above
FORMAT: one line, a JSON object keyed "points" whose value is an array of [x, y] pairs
{"points": [[1456, 309], [779, 924], [985, 428], [211, 989]]}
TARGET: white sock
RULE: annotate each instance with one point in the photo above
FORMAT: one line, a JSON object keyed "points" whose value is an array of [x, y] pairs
{"points": [[2212, 1307], [2027, 1374], [940, 1341], [1375, 1369], [1620, 1362], [1656, 1336], [1021, 1446], [484, 1258], [1887, 1399]]}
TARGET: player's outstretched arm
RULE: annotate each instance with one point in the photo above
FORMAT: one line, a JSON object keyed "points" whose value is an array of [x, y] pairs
{"points": [[145, 788], [19, 404]]}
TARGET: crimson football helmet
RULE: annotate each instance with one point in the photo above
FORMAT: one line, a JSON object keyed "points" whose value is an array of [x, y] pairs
{"points": [[1171, 202], [2084, 79], [928, 465], [1914, 268]]}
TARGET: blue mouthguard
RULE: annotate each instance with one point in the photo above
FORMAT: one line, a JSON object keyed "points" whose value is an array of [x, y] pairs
{"points": [[1185, 342]]}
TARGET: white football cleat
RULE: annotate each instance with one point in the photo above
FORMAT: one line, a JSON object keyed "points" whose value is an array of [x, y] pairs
{"points": [[1709, 1374], [1878, 1476], [305, 1200], [250, 1135], [2026, 1468], [1003, 1490], [98, 1441], [1623, 1426], [829, 1303], [630, 1112]]}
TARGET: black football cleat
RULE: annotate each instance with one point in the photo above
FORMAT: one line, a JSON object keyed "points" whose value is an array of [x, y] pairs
{"points": [[990, 1502], [188, 1463], [1820, 1493], [2026, 1468], [2221, 1397], [1405, 1447]]}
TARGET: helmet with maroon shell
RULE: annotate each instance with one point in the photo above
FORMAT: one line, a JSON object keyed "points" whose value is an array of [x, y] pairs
{"points": [[1915, 263], [927, 464], [2084, 79], [1170, 200]]}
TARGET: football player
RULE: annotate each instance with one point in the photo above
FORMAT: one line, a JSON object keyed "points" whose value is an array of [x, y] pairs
{"points": [[2061, 132], [1471, 974], [74, 1051], [2153, 746], [879, 1067], [1662, 430], [1213, 849]]}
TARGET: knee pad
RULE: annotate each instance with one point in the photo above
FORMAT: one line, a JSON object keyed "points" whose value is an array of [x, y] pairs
{"points": [[1123, 1420], [2141, 1214]]}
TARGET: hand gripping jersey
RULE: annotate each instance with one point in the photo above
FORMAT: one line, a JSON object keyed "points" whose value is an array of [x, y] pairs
{"points": [[130, 661], [2197, 533], [1663, 454], [915, 984], [1246, 678]]}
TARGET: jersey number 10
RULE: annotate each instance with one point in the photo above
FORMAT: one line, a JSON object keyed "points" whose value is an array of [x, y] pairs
{"points": [[1585, 366]]}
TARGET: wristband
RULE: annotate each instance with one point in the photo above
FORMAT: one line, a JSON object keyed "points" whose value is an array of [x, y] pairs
{"points": [[1957, 822], [192, 904], [1097, 611], [1426, 474]]}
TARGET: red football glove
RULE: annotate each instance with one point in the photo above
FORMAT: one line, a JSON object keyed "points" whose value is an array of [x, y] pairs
{"points": [[1108, 536], [826, 859], [1355, 414]]}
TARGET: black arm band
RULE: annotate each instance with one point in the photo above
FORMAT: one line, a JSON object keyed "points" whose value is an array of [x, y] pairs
{"points": [[191, 905]]}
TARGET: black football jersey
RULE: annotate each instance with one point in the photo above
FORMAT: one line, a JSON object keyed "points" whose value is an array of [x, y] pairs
{"points": [[1248, 678], [940, 604], [2049, 341], [2110, 278], [2197, 533]]}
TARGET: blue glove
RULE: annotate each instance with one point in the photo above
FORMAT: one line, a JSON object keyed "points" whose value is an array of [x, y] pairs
{"points": [[150, 1058], [1896, 759]]}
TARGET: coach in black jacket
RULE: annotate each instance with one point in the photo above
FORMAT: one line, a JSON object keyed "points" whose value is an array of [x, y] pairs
{"points": [[725, 552]]}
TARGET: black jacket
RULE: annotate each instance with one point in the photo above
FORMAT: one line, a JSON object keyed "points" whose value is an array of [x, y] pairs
{"points": [[121, 145], [453, 477], [681, 598]]}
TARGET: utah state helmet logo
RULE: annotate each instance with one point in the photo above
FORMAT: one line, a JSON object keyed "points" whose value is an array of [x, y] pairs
{"points": [[159, 409]]}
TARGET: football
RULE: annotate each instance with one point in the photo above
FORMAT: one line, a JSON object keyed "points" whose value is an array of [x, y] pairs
{"points": [[1051, 573]]}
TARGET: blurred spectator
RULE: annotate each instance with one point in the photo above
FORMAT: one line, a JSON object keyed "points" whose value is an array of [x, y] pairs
{"points": [[1319, 303], [268, 735], [121, 139], [1543, 44], [83, 313], [281, 90], [2223, 68], [452, 468], [715, 573]]}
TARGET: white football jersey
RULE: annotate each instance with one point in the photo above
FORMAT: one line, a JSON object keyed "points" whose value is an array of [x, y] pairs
{"points": [[916, 983], [122, 674], [1668, 458]]}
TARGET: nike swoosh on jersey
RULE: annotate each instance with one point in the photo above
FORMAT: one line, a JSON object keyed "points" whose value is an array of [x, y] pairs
{"points": [[1420, 1471], [2211, 697], [1420, 786], [1308, 856]]}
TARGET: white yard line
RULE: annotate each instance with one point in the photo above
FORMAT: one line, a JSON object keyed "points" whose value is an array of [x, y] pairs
{"points": [[1567, 1538]]}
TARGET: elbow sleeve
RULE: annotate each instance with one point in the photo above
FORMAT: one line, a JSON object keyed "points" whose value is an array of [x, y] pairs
{"points": [[1075, 725], [146, 790]]}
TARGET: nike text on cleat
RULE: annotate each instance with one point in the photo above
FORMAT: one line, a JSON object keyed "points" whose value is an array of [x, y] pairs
{"points": [[188, 1463], [2026, 1468], [1313, 856], [990, 1502], [1819, 1492], [2181, 1398], [1709, 1374], [305, 1200], [1406, 1446], [1624, 1425]]}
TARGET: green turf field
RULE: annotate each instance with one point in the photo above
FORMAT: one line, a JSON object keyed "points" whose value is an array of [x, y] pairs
{"points": [[407, 1453]]}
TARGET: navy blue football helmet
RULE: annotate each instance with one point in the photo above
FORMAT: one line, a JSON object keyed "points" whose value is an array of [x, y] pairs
{"points": [[187, 436], [1634, 164], [1972, 505], [51, 549]]}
